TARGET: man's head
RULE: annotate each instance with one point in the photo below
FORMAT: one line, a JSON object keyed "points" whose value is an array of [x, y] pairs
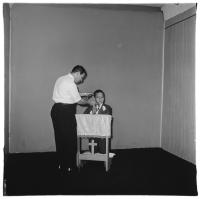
{"points": [[79, 73], [99, 96]]}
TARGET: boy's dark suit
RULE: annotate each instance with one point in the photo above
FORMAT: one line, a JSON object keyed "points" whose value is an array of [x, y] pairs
{"points": [[101, 142], [105, 111]]}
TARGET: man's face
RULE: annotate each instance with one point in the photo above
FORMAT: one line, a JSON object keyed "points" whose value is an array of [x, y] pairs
{"points": [[79, 79], [99, 98]]}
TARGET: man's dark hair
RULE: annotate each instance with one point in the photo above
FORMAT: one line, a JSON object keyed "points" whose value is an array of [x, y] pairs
{"points": [[99, 91], [79, 68]]}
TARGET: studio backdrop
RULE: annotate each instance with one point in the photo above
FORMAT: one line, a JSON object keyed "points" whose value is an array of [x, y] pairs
{"points": [[121, 47]]}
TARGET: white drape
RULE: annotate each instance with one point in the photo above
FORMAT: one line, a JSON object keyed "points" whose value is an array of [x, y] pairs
{"points": [[93, 125]]}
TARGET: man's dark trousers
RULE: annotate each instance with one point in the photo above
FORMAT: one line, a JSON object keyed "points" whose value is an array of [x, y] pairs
{"points": [[64, 123]]}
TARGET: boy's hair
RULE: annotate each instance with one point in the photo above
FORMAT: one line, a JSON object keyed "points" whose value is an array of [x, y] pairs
{"points": [[99, 91]]}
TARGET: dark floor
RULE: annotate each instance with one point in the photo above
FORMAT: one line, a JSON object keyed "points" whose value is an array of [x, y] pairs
{"points": [[133, 172]]}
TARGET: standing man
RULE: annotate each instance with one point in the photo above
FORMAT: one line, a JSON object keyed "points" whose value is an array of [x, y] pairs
{"points": [[66, 97]]}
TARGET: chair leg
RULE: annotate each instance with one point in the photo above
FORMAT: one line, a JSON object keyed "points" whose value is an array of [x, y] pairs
{"points": [[107, 155], [107, 165]]}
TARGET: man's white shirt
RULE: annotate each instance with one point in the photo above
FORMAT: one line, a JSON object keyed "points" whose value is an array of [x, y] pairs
{"points": [[65, 90]]}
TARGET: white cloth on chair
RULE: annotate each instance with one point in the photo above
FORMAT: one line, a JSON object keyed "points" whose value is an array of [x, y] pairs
{"points": [[93, 125]]}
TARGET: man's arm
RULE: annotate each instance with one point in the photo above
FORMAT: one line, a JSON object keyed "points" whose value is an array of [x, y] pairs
{"points": [[85, 101]]}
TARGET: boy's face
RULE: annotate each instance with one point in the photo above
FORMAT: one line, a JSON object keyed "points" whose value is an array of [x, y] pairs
{"points": [[99, 98]]}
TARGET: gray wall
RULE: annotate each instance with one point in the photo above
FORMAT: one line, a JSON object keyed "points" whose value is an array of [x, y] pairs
{"points": [[122, 52], [178, 132]]}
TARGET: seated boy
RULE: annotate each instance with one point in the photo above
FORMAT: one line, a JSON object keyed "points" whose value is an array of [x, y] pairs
{"points": [[99, 107]]}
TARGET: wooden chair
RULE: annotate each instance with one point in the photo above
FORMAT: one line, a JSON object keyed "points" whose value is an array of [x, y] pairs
{"points": [[95, 126]]}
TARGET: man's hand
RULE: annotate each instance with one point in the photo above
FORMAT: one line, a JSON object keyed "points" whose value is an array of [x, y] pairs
{"points": [[86, 101], [88, 95], [92, 102]]}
